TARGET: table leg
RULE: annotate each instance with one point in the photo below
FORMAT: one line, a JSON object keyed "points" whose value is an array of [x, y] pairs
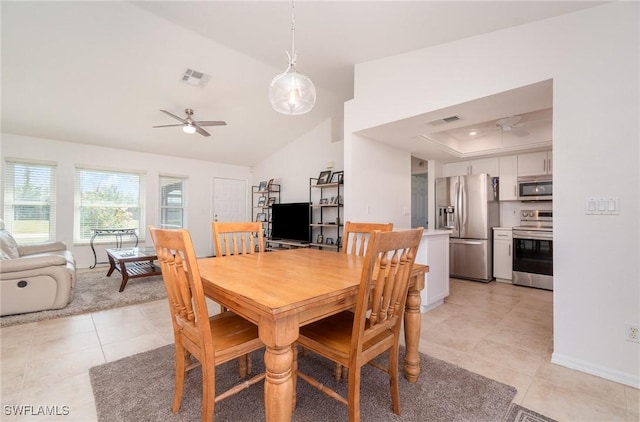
{"points": [[278, 337], [125, 276], [95, 257], [412, 323], [112, 265]]}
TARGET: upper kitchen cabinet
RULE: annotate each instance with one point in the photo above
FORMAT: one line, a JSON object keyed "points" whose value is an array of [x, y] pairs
{"points": [[486, 165], [508, 178], [535, 164]]}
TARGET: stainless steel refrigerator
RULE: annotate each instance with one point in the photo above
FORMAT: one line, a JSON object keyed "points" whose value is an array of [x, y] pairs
{"points": [[469, 207]]}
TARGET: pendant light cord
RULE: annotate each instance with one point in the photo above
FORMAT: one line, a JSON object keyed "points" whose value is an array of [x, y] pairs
{"points": [[293, 34]]}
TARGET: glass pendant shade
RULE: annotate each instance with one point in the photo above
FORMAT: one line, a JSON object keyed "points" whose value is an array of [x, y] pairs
{"points": [[188, 129], [292, 93]]}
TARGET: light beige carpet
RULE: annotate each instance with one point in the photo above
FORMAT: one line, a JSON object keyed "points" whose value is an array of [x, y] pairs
{"points": [[95, 291], [140, 388]]}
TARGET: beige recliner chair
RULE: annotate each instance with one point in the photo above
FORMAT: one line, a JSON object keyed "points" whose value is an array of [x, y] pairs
{"points": [[34, 277]]}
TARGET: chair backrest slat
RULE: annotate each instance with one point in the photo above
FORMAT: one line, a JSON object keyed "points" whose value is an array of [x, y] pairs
{"points": [[237, 237], [356, 235]]}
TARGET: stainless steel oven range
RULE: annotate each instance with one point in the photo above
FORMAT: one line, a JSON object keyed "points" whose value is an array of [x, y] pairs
{"points": [[533, 249]]}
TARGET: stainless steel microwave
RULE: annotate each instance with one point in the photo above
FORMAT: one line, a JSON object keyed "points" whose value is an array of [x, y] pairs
{"points": [[535, 188]]}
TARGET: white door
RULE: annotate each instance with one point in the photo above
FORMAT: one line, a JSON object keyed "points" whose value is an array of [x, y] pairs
{"points": [[229, 199]]}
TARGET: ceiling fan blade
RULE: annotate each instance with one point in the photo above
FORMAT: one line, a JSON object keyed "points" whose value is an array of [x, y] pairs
{"points": [[174, 116], [168, 125], [211, 123], [201, 131]]}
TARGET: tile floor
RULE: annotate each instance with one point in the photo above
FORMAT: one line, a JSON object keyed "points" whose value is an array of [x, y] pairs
{"points": [[501, 331]]}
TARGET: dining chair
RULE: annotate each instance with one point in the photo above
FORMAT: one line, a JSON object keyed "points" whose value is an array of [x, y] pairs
{"points": [[233, 238], [355, 243], [210, 340], [356, 234], [354, 339]]}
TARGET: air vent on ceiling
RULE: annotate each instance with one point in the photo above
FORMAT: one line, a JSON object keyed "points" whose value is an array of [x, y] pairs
{"points": [[444, 120], [195, 78]]}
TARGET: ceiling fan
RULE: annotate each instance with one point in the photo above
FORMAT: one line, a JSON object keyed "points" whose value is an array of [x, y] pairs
{"points": [[192, 126], [512, 123]]}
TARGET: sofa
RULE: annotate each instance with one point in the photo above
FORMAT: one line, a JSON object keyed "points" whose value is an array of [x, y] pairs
{"points": [[34, 277]]}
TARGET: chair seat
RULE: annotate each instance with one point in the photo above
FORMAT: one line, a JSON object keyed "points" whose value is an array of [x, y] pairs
{"points": [[232, 333], [331, 337]]}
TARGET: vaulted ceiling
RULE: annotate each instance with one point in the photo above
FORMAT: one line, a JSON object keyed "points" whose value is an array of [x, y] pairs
{"points": [[100, 72]]}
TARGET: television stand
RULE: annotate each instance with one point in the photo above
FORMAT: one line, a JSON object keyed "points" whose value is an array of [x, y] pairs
{"points": [[278, 244]]}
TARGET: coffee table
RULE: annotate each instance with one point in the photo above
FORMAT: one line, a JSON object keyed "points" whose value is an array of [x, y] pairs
{"points": [[132, 263]]}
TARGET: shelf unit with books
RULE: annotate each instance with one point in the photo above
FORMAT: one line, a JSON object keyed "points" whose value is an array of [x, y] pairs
{"points": [[326, 211]]}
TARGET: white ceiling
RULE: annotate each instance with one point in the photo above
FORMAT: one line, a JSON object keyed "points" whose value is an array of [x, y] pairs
{"points": [[99, 72]]}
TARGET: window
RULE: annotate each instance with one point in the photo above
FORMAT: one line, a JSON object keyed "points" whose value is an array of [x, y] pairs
{"points": [[172, 202], [107, 199], [30, 200]]}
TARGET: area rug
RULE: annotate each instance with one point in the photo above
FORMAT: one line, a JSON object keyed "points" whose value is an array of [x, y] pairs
{"points": [[140, 388], [95, 291], [518, 413]]}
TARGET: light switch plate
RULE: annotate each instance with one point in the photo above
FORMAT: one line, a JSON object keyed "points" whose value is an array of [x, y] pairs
{"points": [[602, 205]]}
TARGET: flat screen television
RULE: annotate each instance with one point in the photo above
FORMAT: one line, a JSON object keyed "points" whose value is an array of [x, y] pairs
{"points": [[291, 221]]}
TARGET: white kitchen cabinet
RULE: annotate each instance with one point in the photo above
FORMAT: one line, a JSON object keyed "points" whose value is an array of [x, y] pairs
{"points": [[463, 168], [502, 254], [508, 187], [535, 164]]}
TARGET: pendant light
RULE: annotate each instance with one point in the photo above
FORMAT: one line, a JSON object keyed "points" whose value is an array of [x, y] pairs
{"points": [[291, 92]]}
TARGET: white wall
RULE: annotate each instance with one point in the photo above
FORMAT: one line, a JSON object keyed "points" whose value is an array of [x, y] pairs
{"points": [[67, 155], [306, 157], [377, 182], [593, 58]]}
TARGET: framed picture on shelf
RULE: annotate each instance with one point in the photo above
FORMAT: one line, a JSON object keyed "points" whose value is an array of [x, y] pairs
{"points": [[271, 201], [262, 201], [337, 177], [262, 187], [329, 241], [261, 216], [270, 184], [320, 238], [323, 179]]}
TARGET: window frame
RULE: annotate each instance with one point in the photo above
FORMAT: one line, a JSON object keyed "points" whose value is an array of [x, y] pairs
{"points": [[107, 173], [10, 203], [161, 208]]}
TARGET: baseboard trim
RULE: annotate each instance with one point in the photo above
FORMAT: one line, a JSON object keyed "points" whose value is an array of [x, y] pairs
{"points": [[632, 380], [425, 309]]}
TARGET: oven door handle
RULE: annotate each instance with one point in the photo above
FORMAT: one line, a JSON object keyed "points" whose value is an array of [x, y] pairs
{"points": [[531, 235]]}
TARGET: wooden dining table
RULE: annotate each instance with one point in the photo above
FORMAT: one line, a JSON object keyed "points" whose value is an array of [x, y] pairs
{"points": [[283, 290]]}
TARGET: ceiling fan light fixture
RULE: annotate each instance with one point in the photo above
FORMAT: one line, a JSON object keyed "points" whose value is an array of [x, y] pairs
{"points": [[291, 92], [189, 128]]}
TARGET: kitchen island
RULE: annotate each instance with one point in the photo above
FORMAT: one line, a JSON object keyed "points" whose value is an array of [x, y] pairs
{"points": [[434, 252]]}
